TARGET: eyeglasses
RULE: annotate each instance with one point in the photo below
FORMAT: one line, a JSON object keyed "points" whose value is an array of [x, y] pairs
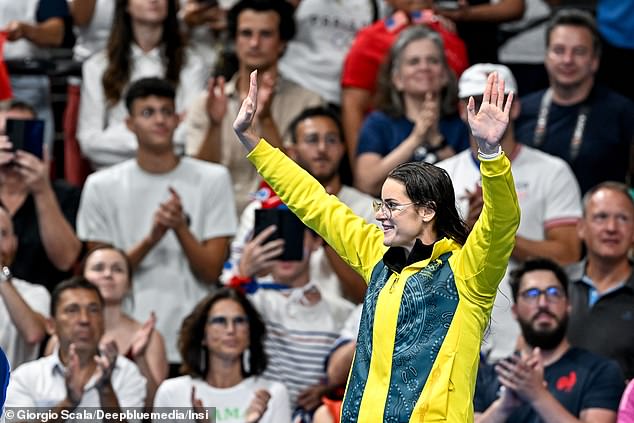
{"points": [[553, 294], [387, 207], [239, 322]]}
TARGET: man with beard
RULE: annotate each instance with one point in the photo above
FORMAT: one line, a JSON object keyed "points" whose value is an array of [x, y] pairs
{"points": [[547, 380]]}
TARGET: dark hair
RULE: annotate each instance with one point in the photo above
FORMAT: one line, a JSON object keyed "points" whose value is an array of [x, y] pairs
{"points": [[76, 282], [318, 111], [575, 17], [82, 268], [283, 8], [390, 100], [119, 50], [536, 264], [608, 185], [192, 334], [147, 87], [430, 186], [22, 105]]}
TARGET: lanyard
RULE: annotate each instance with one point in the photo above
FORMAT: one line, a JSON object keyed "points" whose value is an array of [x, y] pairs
{"points": [[542, 121]]}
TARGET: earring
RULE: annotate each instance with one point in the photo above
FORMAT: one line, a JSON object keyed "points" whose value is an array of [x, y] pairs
{"points": [[246, 361]]}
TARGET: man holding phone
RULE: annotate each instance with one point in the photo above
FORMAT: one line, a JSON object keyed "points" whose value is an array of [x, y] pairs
{"points": [[43, 211], [317, 144]]}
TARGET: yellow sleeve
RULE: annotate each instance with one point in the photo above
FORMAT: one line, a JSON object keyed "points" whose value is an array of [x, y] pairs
{"points": [[357, 242], [482, 261]]}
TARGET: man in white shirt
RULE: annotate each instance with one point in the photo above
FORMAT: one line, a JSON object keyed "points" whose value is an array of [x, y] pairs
{"points": [[173, 216], [23, 305], [80, 373], [549, 200], [260, 29]]}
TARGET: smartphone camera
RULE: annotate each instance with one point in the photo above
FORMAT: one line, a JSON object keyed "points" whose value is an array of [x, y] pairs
{"points": [[289, 227]]}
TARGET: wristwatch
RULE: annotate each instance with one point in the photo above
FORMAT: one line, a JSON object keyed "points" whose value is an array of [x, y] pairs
{"points": [[5, 274]]}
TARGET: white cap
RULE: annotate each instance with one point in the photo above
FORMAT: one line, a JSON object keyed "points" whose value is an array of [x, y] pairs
{"points": [[473, 80]]}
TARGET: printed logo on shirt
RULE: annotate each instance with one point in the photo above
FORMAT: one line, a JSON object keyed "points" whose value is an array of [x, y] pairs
{"points": [[566, 383], [229, 414]]}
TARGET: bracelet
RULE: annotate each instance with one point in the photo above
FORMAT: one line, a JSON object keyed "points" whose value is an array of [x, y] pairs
{"points": [[489, 156]]}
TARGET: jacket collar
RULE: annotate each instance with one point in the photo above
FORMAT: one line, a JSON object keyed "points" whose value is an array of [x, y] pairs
{"points": [[396, 258]]}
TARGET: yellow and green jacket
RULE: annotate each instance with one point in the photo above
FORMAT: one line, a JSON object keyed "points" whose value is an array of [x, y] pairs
{"points": [[419, 339]]}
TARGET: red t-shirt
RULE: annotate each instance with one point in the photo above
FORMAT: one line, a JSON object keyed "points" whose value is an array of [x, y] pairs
{"points": [[372, 43]]}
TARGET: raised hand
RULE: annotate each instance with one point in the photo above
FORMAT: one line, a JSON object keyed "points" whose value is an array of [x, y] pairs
{"points": [[242, 125], [490, 122], [258, 406], [72, 376], [170, 213], [106, 360], [141, 338], [426, 125], [216, 100]]}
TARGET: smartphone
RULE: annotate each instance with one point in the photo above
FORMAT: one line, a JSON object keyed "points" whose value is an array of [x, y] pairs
{"points": [[289, 227], [447, 5], [26, 135]]}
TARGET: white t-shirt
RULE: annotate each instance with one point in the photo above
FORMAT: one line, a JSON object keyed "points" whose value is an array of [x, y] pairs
{"points": [[15, 347], [102, 133], [299, 337], [117, 207], [24, 11], [93, 37], [530, 45], [41, 383], [548, 195], [320, 269], [325, 30], [231, 403]]}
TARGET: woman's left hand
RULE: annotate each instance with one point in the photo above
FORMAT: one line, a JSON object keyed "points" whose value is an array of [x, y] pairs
{"points": [[258, 406], [242, 125], [489, 124]]}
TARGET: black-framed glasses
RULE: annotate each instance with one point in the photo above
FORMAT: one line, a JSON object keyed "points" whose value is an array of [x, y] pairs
{"points": [[553, 294], [238, 322], [387, 207]]}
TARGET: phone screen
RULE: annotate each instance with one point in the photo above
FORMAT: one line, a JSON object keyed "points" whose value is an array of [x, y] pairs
{"points": [[26, 135], [289, 227]]}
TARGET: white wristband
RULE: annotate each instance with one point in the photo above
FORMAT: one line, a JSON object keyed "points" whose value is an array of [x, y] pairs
{"points": [[490, 156]]}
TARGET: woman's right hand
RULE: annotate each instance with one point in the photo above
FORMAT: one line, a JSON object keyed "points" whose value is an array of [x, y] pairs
{"points": [[242, 125]]}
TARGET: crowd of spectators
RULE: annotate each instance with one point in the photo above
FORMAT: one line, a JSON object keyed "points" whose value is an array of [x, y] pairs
{"points": [[180, 297]]}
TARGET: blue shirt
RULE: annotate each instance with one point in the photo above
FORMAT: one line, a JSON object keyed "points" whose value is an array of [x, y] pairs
{"points": [[381, 133]]}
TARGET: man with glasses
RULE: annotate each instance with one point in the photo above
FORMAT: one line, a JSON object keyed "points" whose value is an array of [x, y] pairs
{"points": [[547, 380], [602, 288], [587, 125], [173, 216]]}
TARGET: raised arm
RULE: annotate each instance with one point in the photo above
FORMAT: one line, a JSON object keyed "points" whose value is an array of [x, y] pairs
{"points": [[358, 243], [485, 255]]}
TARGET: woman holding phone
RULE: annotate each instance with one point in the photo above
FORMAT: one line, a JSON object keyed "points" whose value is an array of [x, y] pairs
{"points": [[431, 284]]}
